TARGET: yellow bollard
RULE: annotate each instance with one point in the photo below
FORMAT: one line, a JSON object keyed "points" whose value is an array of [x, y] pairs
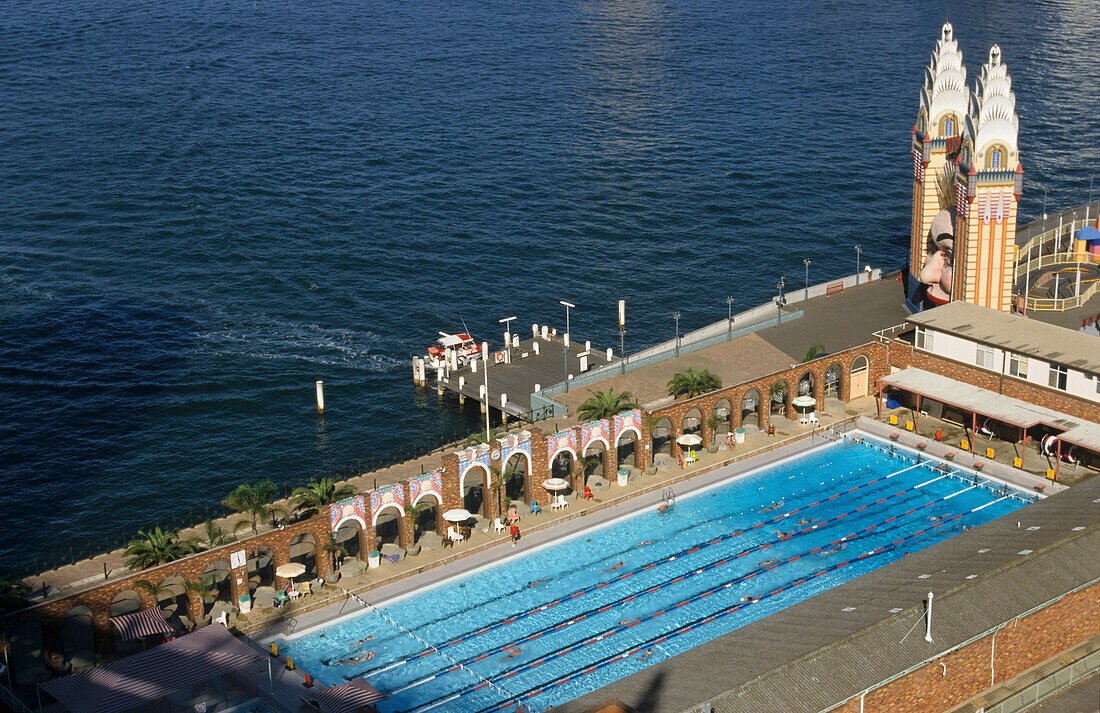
{"points": [[1018, 462], [908, 425], [274, 649], [965, 444], [893, 419], [290, 663], [989, 453]]}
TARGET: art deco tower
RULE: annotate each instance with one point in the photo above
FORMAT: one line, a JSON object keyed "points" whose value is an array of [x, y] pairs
{"points": [[944, 101], [988, 184]]}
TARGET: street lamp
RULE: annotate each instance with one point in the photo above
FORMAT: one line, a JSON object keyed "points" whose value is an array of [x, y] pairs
{"points": [[622, 336], [1045, 191], [507, 322], [488, 401], [729, 317], [806, 264], [565, 341], [859, 254], [781, 300], [676, 316]]}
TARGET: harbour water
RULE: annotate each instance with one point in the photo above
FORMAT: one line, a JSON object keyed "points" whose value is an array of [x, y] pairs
{"points": [[206, 208]]}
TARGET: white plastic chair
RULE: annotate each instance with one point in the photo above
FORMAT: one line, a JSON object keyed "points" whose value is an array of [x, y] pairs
{"points": [[454, 535], [498, 526], [562, 502]]}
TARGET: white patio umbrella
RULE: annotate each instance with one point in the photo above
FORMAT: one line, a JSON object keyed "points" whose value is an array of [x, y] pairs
{"points": [[457, 515], [555, 484], [689, 439], [290, 570], [804, 402]]}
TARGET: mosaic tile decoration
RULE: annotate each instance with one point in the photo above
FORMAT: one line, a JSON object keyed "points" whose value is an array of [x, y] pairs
{"points": [[515, 443], [595, 430], [561, 441], [429, 483], [392, 494], [623, 421], [354, 508]]}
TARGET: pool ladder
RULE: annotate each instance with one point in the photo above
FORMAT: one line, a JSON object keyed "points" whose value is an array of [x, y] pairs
{"points": [[668, 497]]}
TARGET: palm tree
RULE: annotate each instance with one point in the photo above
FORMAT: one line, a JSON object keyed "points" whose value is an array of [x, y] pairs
{"points": [[12, 592], [605, 404], [203, 590], [333, 548], [692, 383], [479, 438], [814, 352], [155, 547], [254, 501], [414, 519], [216, 536], [156, 591], [319, 494]]}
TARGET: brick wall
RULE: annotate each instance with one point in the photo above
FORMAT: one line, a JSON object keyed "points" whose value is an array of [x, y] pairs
{"points": [[1018, 646], [904, 355]]}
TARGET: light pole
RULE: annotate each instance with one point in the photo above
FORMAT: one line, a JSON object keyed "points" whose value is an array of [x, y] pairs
{"points": [[507, 322], [488, 401], [729, 317], [622, 336], [859, 255], [565, 341], [780, 301], [1045, 191], [806, 264], [676, 316]]}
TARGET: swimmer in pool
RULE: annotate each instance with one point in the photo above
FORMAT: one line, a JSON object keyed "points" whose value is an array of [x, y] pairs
{"points": [[537, 581], [783, 535], [774, 506], [645, 656], [645, 542], [613, 567], [765, 563], [358, 658], [624, 622], [512, 653]]}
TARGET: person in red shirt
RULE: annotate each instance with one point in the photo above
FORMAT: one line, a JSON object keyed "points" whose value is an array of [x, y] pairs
{"points": [[514, 532]]}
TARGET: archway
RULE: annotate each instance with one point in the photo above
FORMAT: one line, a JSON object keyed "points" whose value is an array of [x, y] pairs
{"points": [[806, 384], [832, 382], [858, 379], [779, 395], [425, 515], [595, 459], [78, 639], [562, 466], [387, 526], [125, 602], [303, 550], [692, 422], [515, 477], [662, 436], [261, 568], [472, 486], [721, 415], [216, 579], [627, 447], [750, 408], [349, 536], [172, 600], [28, 659]]}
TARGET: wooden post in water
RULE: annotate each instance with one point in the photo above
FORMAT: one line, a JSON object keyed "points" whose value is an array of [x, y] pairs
{"points": [[320, 397]]}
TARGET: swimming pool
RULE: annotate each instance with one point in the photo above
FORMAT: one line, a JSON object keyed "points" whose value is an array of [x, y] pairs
{"points": [[553, 624]]}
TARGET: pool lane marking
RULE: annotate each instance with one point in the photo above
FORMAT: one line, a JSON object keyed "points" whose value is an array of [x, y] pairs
{"points": [[622, 627], [638, 570], [620, 553], [592, 667]]}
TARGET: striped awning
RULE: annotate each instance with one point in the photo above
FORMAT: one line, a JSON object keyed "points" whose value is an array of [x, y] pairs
{"points": [[136, 682], [136, 626], [351, 697]]}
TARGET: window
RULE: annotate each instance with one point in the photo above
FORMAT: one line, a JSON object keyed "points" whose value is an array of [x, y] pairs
{"points": [[996, 159], [985, 357], [1017, 366], [1058, 376], [948, 126], [924, 339]]}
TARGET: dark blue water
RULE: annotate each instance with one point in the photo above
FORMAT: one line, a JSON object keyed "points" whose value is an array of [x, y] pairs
{"points": [[205, 207]]}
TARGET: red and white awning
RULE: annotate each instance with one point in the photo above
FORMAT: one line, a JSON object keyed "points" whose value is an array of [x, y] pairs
{"points": [[351, 697], [136, 626]]}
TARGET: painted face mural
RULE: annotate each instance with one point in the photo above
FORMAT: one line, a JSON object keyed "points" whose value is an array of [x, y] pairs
{"points": [[939, 260]]}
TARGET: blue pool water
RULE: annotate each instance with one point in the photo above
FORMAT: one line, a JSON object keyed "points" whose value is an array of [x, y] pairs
{"points": [[554, 624]]}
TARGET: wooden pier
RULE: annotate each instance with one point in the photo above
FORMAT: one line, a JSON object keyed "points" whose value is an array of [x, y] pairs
{"points": [[515, 373]]}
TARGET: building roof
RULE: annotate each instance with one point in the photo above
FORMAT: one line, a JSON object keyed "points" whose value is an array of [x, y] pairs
{"points": [[1016, 333], [136, 681]]}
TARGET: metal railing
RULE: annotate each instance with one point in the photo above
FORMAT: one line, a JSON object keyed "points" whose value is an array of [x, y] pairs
{"points": [[664, 355]]}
